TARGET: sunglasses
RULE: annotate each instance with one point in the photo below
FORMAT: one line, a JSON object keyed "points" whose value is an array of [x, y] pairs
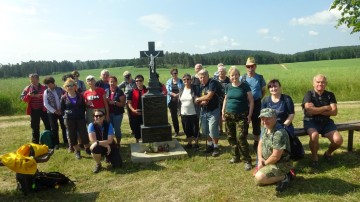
{"points": [[250, 66], [139, 81], [98, 116], [70, 85]]}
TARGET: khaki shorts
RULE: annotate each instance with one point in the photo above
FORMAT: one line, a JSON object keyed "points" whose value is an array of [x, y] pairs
{"points": [[275, 170]]}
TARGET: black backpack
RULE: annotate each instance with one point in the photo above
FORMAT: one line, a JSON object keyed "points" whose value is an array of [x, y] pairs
{"points": [[41, 181], [297, 151]]}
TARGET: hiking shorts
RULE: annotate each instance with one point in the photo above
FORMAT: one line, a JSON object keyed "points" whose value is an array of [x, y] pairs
{"points": [[322, 128]]}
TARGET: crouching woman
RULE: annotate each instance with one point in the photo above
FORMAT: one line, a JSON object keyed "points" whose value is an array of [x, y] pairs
{"points": [[101, 135]]}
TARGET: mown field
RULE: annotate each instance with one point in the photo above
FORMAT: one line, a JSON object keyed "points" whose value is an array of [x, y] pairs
{"points": [[197, 178], [296, 79]]}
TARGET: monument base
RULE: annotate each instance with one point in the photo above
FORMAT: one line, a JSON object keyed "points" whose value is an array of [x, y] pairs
{"points": [[138, 154]]}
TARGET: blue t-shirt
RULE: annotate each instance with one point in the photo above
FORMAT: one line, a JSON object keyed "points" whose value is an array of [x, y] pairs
{"points": [[283, 108], [91, 129], [256, 84]]}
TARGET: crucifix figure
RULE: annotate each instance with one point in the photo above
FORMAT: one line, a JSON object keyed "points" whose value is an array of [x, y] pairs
{"points": [[152, 54]]}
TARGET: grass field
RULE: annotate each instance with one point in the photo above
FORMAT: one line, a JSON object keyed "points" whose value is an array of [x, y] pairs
{"points": [[296, 79], [196, 178]]}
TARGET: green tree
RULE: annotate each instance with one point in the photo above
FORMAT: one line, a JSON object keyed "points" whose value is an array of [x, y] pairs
{"points": [[350, 13]]}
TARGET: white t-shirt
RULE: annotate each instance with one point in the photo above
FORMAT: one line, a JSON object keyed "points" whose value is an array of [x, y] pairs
{"points": [[187, 104]]}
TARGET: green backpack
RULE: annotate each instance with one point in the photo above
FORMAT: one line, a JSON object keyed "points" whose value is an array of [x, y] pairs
{"points": [[46, 139]]}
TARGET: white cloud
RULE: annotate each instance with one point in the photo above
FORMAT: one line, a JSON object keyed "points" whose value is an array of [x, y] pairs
{"points": [[224, 41], [320, 18], [263, 31], [156, 22], [313, 33], [202, 47]]}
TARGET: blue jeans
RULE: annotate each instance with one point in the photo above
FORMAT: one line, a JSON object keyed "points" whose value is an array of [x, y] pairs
{"points": [[210, 122], [116, 122]]}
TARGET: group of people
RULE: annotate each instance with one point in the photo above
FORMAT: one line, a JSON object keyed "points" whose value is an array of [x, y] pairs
{"points": [[92, 118]]}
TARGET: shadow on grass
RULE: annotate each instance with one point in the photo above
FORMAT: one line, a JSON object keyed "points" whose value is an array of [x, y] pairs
{"points": [[50, 195], [320, 186], [347, 160]]}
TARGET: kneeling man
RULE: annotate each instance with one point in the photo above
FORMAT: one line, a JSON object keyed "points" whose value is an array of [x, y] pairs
{"points": [[273, 153]]}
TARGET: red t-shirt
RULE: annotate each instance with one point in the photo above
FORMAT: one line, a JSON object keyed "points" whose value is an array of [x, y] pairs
{"points": [[96, 97]]}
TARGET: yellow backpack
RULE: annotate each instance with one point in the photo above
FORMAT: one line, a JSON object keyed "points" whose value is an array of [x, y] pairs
{"points": [[19, 163], [32, 149]]}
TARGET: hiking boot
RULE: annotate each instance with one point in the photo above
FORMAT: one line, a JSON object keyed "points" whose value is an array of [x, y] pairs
{"points": [[248, 166], [78, 155], [327, 157], [88, 151], [216, 152], [234, 159], [209, 149], [283, 184], [97, 168]]}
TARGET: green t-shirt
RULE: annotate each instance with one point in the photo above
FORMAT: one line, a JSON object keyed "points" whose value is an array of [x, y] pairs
{"points": [[237, 101]]}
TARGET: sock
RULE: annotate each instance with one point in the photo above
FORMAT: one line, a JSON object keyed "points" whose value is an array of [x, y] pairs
{"points": [[216, 145]]}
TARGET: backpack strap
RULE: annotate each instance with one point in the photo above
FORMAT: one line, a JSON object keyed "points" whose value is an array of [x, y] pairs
{"points": [[243, 78]]}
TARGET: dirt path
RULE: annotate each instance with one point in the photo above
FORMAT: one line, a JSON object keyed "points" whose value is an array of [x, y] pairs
{"points": [[283, 66]]}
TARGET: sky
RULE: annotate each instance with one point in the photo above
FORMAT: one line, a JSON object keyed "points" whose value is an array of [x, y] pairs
{"points": [[119, 29]]}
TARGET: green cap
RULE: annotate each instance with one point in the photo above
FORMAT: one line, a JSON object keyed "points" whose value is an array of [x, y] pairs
{"points": [[267, 112]]}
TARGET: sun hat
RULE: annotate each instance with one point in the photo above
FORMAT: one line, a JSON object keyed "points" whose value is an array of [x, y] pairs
{"points": [[250, 61], [127, 74], [267, 112]]}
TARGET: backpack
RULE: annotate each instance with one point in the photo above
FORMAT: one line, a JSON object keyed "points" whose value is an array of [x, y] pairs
{"points": [[41, 181], [46, 138], [296, 149]]}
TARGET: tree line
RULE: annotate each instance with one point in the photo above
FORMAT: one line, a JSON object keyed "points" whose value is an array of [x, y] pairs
{"points": [[180, 60]]}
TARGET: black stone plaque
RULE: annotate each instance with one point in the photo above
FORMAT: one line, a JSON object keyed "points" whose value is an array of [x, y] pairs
{"points": [[154, 110]]}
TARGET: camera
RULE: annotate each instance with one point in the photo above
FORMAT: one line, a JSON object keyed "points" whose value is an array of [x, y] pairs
{"points": [[35, 92]]}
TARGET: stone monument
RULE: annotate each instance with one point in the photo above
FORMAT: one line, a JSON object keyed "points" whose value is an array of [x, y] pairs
{"points": [[156, 127], [156, 130]]}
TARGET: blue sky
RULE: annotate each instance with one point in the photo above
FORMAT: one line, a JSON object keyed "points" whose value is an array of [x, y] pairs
{"points": [[118, 29]]}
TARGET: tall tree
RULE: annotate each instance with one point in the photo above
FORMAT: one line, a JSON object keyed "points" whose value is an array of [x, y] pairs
{"points": [[350, 13]]}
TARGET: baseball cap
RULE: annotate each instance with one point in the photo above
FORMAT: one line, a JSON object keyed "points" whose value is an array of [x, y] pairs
{"points": [[267, 112]]}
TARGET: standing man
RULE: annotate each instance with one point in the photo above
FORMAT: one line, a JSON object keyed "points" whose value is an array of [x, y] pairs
{"points": [[258, 86], [127, 86], [195, 79], [104, 80], [33, 96], [319, 105], [273, 153], [210, 111]]}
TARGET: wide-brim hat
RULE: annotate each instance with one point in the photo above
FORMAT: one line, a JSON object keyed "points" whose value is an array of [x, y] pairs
{"points": [[250, 61]]}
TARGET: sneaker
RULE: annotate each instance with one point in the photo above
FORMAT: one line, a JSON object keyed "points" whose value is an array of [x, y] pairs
{"points": [[327, 157], [78, 155], [234, 160], [97, 168], [248, 166], [209, 149], [283, 184], [88, 151], [216, 152]]}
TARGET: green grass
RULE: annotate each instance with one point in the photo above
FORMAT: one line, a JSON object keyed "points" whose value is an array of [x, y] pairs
{"points": [[295, 80], [194, 178]]}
